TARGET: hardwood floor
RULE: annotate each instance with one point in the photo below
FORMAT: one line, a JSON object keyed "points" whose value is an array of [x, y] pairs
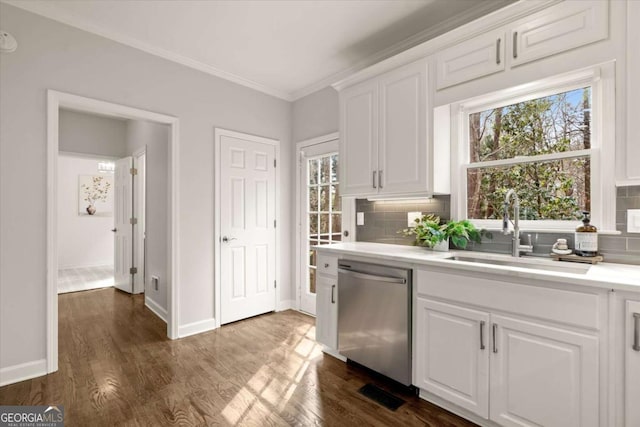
{"points": [[116, 367]]}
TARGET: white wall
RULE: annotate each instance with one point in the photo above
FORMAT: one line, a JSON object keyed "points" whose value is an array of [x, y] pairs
{"points": [[92, 134], [83, 241], [156, 139], [55, 56], [316, 114]]}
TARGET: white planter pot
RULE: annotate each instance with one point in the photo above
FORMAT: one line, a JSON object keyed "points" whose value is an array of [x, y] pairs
{"points": [[442, 246]]}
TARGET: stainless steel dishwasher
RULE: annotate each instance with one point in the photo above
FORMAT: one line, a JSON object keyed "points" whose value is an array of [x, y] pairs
{"points": [[374, 317]]}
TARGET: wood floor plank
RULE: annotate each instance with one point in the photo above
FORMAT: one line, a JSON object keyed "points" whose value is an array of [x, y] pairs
{"points": [[117, 368]]}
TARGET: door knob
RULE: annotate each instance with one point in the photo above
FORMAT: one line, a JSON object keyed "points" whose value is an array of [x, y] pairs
{"points": [[226, 239], [114, 229]]}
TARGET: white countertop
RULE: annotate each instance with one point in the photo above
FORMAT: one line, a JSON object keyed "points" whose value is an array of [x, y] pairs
{"points": [[603, 275]]}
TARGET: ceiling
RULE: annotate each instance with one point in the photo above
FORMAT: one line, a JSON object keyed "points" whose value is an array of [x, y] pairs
{"points": [[282, 47]]}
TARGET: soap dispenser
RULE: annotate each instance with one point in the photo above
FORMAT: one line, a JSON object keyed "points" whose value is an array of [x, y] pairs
{"points": [[586, 237]]}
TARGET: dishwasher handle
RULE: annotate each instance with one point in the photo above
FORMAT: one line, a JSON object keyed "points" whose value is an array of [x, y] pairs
{"points": [[363, 275]]}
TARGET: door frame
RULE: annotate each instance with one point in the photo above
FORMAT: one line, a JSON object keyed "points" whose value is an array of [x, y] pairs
{"points": [[55, 101], [140, 212], [217, 235], [347, 210]]}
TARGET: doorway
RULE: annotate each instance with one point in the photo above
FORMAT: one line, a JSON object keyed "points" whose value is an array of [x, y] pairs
{"points": [[246, 221], [324, 216], [56, 101]]}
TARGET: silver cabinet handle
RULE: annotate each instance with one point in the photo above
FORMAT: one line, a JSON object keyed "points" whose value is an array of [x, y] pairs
{"points": [[498, 42], [636, 332], [482, 335], [495, 333], [367, 276], [374, 179], [380, 179], [515, 44], [333, 299]]}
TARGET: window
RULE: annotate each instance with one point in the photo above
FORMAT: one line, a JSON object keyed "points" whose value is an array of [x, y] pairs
{"points": [[546, 141]]}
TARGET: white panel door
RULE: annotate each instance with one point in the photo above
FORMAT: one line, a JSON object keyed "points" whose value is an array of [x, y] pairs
{"points": [[247, 221], [556, 29], [543, 375], [632, 364], [403, 157], [123, 230], [478, 57], [359, 139], [452, 354]]}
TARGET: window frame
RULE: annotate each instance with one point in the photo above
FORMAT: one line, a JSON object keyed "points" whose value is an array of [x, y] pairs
{"points": [[601, 79]]}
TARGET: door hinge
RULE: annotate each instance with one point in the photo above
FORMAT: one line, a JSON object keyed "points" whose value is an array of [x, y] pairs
{"points": [[133, 171], [275, 284], [133, 270], [274, 223], [274, 163], [133, 221]]}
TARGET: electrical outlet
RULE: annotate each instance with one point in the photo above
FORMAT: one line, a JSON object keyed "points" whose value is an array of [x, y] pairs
{"points": [[360, 218], [411, 218], [633, 220]]}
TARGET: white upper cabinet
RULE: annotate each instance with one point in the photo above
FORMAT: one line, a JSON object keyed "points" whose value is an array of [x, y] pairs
{"points": [[478, 57], [359, 139], [402, 150], [385, 140], [558, 28], [632, 166], [565, 26]]}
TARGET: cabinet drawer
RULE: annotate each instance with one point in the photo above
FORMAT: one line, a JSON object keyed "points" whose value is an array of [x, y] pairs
{"points": [[557, 305], [328, 265]]}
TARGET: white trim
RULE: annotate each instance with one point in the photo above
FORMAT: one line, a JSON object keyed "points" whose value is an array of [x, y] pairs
{"points": [[86, 155], [155, 308], [627, 182], [139, 212], [601, 78], [218, 134], [287, 304], [196, 327], [55, 101], [530, 159], [299, 250], [23, 371], [49, 10]]}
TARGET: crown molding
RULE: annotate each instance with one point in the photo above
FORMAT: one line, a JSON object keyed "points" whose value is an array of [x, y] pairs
{"points": [[48, 11], [410, 53]]}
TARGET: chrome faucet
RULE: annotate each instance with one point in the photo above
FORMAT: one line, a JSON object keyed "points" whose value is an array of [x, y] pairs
{"points": [[516, 247]]}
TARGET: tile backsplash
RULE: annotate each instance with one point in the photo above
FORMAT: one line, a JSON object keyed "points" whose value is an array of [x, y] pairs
{"points": [[383, 219]]}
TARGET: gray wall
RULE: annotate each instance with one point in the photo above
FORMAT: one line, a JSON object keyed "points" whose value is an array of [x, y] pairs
{"points": [[156, 139], [92, 134], [383, 219], [315, 115], [55, 56]]}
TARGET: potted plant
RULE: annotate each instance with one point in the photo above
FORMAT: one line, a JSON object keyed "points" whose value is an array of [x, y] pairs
{"points": [[429, 231]]}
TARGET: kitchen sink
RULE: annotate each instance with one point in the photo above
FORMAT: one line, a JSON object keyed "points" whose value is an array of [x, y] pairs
{"points": [[529, 263]]}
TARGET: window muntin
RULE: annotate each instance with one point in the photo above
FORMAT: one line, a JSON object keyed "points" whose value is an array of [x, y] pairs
{"points": [[541, 147]]}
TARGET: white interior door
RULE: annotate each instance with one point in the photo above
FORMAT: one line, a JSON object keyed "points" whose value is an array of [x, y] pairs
{"points": [[123, 230], [321, 213], [247, 227]]}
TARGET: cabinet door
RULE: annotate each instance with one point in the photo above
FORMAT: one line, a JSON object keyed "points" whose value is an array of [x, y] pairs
{"points": [[359, 139], [561, 27], [403, 156], [632, 364], [452, 354], [633, 89], [327, 311], [478, 57], [542, 375]]}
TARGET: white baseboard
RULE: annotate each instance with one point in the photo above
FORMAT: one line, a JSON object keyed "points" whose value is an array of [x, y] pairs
{"points": [[196, 327], [285, 305], [23, 371], [156, 308]]}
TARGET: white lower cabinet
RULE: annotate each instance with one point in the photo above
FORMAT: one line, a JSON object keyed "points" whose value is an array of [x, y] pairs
{"points": [[327, 311], [542, 375], [632, 363], [511, 370]]}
